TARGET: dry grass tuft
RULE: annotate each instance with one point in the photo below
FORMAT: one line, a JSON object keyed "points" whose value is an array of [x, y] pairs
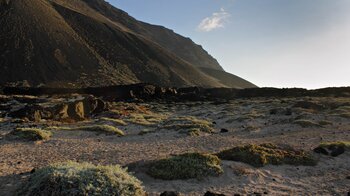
{"points": [[260, 155], [186, 166], [31, 134], [72, 178]]}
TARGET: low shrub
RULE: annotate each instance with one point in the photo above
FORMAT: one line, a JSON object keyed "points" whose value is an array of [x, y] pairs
{"points": [[107, 129], [306, 123], [190, 125], [260, 155], [32, 134], [72, 178], [186, 166]]}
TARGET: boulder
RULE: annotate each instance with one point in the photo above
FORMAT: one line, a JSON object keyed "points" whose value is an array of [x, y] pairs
{"points": [[31, 112], [74, 110], [333, 150], [321, 150], [337, 150]]}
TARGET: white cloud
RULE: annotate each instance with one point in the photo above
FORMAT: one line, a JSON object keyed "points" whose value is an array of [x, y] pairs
{"points": [[215, 21]]}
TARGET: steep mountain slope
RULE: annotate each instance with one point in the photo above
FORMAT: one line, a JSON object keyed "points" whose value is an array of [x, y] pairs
{"points": [[91, 43]]}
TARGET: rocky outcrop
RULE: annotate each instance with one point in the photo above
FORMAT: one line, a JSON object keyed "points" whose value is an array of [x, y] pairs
{"points": [[75, 110], [209, 193], [149, 92], [170, 193]]}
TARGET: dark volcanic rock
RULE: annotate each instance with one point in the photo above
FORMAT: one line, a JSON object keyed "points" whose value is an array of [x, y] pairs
{"points": [[337, 150], [75, 110], [321, 150], [148, 92], [31, 112], [209, 193], [170, 193], [332, 150]]}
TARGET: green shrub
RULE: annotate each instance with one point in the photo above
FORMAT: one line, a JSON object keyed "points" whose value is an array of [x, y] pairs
{"points": [[107, 129], [186, 166], [260, 155], [306, 123], [325, 123], [194, 132], [145, 119], [116, 121], [189, 125], [345, 144], [31, 134], [103, 129], [72, 178]]}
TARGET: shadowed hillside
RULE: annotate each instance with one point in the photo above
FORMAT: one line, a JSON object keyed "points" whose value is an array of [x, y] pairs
{"points": [[90, 43]]}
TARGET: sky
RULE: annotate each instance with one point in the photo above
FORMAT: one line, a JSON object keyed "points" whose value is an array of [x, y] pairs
{"points": [[272, 43]]}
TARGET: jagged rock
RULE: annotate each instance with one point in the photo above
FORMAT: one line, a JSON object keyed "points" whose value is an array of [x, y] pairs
{"points": [[337, 150], [75, 110], [208, 193], [31, 112], [321, 150], [171, 193], [333, 150]]}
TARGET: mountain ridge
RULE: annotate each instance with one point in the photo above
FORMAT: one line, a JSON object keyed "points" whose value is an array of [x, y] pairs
{"points": [[91, 43]]}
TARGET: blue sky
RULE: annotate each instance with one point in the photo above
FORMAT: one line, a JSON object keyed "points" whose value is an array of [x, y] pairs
{"points": [[279, 43]]}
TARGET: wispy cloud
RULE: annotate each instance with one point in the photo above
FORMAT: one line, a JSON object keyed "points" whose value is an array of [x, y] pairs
{"points": [[215, 21]]}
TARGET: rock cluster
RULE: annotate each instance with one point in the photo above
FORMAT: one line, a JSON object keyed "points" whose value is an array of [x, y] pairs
{"points": [[72, 110], [152, 92]]}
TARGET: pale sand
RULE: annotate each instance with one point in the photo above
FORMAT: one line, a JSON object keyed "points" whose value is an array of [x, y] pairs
{"points": [[327, 178]]}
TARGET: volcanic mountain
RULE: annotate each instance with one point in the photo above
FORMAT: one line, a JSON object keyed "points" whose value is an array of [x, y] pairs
{"points": [[91, 43]]}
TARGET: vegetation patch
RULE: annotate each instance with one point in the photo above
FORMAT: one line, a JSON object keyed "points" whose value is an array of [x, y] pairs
{"points": [[145, 119], [264, 154], [186, 166], [106, 129], [72, 178], [345, 144], [306, 123], [31, 134], [325, 123], [189, 125]]}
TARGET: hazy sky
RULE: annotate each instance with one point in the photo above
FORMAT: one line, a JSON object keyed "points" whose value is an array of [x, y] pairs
{"points": [[279, 43]]}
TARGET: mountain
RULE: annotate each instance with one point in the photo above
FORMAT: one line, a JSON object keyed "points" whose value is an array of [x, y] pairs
{"points": [[91, 43]]}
